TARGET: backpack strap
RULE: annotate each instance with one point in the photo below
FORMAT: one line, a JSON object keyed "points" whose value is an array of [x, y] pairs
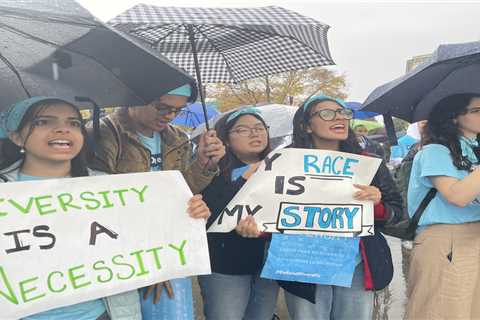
{"points": [[423, 205], [116, 133]]}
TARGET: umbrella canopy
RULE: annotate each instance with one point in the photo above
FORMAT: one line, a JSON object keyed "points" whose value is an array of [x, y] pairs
{"points": [[231, 44], [358, 112], [453, 68], [57, 48], [192, 117]]}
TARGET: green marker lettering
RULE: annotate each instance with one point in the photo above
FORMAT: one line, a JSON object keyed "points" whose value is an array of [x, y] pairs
{"points": [[11, 295], [49, 282], [140, 193], [42, 207], [181, 254], [20, 208], [115, 262], [73, 277], [100, 268], [24, 291], [84, 197], [64, 203]]}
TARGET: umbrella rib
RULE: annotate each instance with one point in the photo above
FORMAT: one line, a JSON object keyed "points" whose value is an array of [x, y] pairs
{"points": [[154, 44], [55, 45], [17, 74], [219, 52]]}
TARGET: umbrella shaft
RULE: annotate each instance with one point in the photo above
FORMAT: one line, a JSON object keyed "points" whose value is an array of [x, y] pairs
{"points": [[191, 36]]}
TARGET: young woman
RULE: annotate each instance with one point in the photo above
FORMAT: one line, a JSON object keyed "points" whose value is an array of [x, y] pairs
{"points": [[444, 274], [323, 123], [43, 138], [234, 290]]}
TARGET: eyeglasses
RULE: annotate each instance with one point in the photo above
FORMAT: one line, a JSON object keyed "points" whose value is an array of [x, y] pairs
{"points": [[474, 110], [247, 131], [164, 109], [54, 122], [329, 114]]}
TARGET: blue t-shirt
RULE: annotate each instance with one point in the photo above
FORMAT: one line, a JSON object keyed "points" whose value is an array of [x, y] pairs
{"points": [[401, 149], [154, 144], [180, 307], [435, 160], [89, 310]]}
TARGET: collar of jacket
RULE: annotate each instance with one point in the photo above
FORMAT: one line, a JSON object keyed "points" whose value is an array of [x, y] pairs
{"points": [[126, 122]]}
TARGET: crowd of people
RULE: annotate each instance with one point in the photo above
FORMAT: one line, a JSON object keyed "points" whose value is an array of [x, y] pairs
{"points": [[45, 138]]}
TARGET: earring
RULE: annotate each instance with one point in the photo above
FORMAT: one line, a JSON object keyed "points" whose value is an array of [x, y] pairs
{"points": [[22, 150]]}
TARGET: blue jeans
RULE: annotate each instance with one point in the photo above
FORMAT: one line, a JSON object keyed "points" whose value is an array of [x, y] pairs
{"points": [[180, 307], [238, 297], [334, 303]]}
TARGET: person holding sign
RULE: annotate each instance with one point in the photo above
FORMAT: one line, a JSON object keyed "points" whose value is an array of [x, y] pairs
{"points": [[235, 290], [43, 138], [444, 280], [322, 122], [140, 139]]}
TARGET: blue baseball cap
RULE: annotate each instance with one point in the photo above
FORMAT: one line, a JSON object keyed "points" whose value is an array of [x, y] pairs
{"points": [[10, 120]]}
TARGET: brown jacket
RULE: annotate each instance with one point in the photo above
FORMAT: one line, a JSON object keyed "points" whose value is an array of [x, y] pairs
{"points": [[119, 150]]}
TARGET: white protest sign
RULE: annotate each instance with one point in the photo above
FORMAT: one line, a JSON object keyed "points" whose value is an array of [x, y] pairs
{"points": [[305, 191], [66, 241]]}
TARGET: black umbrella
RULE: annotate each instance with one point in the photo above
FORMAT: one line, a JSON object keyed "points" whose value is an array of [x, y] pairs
{"points": [[58, 48], [452, 68], [229, 45]]}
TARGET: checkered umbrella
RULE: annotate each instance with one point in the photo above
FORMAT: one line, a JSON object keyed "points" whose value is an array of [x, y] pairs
{"points": [[229, 45]]}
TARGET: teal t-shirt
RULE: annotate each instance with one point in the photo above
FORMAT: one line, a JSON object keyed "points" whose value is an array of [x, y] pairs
{"points": [[89, 310], [435, 160], [154, 144]]}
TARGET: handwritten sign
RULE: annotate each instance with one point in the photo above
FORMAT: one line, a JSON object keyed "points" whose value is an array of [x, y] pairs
{"points": [[66, 241], [305, 191]]}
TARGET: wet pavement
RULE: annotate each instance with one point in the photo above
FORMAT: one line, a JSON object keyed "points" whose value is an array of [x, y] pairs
{"points": [[389, 303]]}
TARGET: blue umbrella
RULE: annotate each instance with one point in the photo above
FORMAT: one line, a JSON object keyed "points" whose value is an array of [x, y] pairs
{"points": [[359, 114], [193, 115]]}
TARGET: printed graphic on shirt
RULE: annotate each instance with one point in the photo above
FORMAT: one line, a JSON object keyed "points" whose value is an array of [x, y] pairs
{"points": [[156, 161]]}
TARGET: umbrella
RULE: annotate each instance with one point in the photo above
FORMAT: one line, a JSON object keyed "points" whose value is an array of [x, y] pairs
{"points": [[229, 45], [192, 116], [58, 48], [453, 68], [358, 113]]}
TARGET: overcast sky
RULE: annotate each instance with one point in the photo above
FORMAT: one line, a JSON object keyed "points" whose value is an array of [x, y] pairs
{"points": [[370, 42]]}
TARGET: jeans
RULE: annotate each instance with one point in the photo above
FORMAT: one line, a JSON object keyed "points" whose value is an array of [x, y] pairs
{"points": [[238, 297], [178, 308], [334, 302]]}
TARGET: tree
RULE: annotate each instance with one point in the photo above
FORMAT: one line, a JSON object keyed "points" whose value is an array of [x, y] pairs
{"points": [[279, 88]]}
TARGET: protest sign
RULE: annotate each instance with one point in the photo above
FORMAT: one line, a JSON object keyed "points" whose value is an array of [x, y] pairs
{"points": [[64, 241], [305, 191], [311, 259]]}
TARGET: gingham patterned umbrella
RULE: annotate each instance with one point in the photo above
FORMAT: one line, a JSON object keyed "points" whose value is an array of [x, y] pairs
{"points": [[232, 44], [229, 45]]}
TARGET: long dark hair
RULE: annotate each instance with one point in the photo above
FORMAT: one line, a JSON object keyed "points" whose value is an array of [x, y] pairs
{"points": [[10, 152], [230, 160], [442, 127], [303, 139]]}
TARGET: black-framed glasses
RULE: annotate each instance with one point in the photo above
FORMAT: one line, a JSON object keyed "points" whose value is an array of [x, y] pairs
{"points": [[247, 131], [330, 114], [164, 109]]}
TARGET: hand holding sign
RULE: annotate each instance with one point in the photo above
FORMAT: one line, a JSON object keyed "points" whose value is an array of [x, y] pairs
{"points": [[247, 227], [371, 193]]}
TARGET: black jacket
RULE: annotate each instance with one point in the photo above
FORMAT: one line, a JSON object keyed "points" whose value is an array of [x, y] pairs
{"points": [[230, 253]]}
